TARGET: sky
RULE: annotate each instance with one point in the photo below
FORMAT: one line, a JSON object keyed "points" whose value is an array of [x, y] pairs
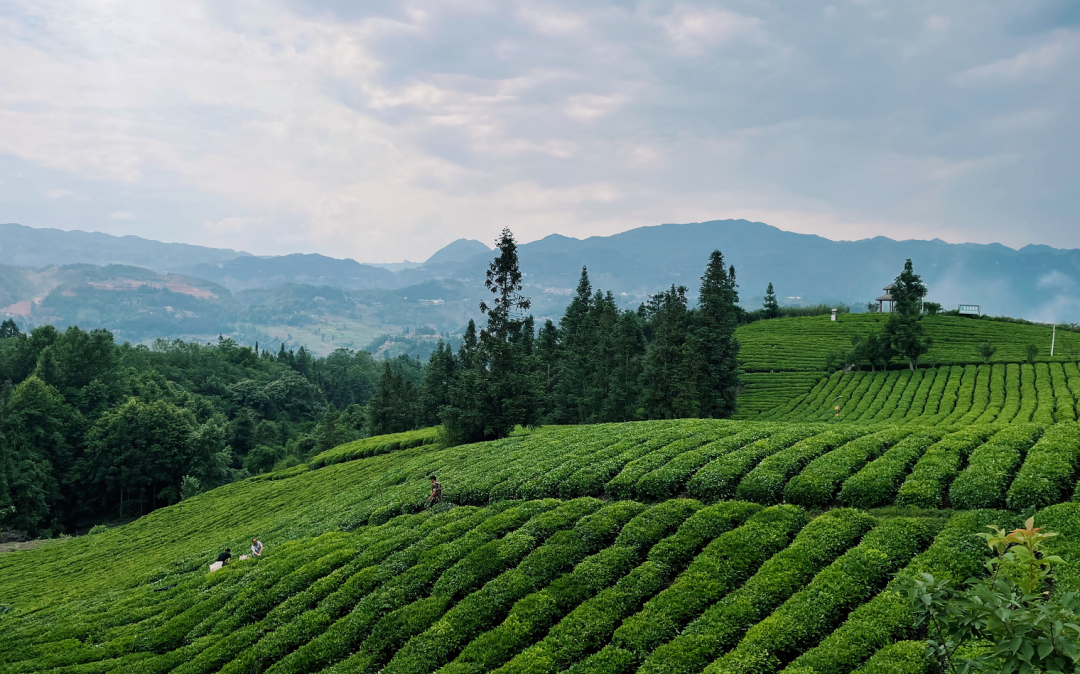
{"points": [[382, 131]]}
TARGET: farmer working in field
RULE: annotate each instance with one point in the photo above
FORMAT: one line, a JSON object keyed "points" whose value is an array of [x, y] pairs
{"points": [[225, 557], [436, 491], [256, 547]]}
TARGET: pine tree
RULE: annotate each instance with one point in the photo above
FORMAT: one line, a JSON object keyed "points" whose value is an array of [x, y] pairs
{"points": [[624, 385], [438, 378], [669, 391], [716, 319], [548, 366], [576, 343], [498, 391], [772, 307]]}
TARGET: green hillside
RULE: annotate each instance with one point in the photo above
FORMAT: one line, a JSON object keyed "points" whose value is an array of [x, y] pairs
{"points": [[784, 363], [666, 546]]}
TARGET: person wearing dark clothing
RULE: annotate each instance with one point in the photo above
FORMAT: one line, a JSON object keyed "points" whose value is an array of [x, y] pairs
{"points": [[225, 557], [436, 491]]}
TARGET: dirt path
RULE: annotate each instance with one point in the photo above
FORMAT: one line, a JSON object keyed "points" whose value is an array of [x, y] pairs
{"points": [[24, 545]]}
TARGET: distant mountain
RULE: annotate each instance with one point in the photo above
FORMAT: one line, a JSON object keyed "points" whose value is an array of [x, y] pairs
{"points": [[1036, 282], [458, 251], [31, 247], [258, 272]]}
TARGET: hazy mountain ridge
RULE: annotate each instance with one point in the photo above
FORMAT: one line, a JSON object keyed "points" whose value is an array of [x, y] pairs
{"points": [[32, 247], [1037, 282]]}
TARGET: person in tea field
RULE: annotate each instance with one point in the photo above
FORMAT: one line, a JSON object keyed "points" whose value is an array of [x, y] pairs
{"points": [[225, 557], [256, 547], [436, 491]]}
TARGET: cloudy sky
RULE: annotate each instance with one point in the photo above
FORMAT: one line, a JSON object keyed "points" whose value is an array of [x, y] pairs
{"points": [[383, 130]]}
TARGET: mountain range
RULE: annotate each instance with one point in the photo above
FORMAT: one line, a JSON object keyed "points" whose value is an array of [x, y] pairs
{"points": [[1035, 282]]}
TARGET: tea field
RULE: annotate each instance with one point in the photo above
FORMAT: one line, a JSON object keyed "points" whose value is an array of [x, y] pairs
{"points": [[1045, 393], [661, 547], [800, 344], [784, 363]]}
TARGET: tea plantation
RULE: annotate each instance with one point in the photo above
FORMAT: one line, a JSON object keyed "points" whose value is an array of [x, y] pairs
{"points": [[785, 364], [666, 546]]}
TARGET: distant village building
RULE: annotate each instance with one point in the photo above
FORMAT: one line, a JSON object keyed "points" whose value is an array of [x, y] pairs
{"points": [[887, 297]]}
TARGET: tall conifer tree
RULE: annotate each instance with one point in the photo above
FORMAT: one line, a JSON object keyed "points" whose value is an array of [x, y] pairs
{"points": [[771, 309], [575, 371], [717, 318]]}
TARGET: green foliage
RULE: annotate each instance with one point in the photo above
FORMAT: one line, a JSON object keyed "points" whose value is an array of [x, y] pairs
{"points": [[771, 309], [986, 351], [1004, 623]]}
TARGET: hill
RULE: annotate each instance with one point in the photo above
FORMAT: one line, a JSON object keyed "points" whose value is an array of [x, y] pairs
{"points": [[670, 546], [785, 359], [33, 247]]}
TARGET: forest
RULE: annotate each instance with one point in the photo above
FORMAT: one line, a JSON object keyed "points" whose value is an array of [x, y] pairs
{"points": [[94, 431]]}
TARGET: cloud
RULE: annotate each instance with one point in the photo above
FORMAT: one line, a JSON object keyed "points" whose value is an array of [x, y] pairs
{"points": [[386, 130], [121, 215], [694, 30], [1024, 66]]}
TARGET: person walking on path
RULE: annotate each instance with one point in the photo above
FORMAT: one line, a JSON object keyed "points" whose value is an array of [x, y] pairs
{"points": [[256, 547], [436, 491]]}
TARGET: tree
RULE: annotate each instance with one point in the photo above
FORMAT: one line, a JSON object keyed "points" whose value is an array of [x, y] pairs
{"points": [[908, 292], [132, 448], [716, 319], [904, 329], [931, 308], [670, 383], [772, 307], [35, 423], [391, 409], [438, 378], [576, 344], [622, 402], [986, 351], [1032, 352], [330, 432], [502, 383]]}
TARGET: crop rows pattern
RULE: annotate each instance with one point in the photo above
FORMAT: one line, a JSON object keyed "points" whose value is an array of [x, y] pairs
{"points": [[1043, 393], [543, 586]]}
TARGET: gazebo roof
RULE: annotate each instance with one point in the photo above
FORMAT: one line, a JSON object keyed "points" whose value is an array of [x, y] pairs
{"points": [[885, 298], [889, 287]]}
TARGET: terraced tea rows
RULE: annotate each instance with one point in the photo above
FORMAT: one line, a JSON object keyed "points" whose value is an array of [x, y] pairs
{"points": [[801, 344], [540, 586], [1045, 393], [709, 460]]}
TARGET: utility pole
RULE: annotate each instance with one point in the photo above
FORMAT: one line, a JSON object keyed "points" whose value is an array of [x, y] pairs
{"points": [[1053, 338]]}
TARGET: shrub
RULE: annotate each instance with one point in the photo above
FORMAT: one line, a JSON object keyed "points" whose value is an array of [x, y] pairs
{"points": [[1049, 470], [925, 486], [725, 564], [532, 615], [957, 552], [718, 479], [839, 588], [724, 623], [765, 483], [668, 480], [379, 444], [876, 483], [818, 483], [990, 469], [903, 657]]}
